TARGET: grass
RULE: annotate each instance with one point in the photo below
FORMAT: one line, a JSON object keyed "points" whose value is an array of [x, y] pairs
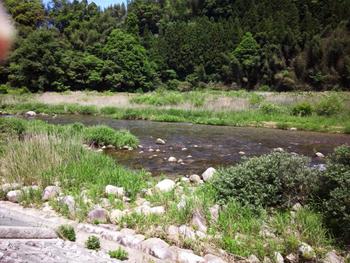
{"points": [[66, 232], [119, 253], [93, 243]]}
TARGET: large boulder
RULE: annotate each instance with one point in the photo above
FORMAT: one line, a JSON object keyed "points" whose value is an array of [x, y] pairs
{"points": [[208, 174], [98, 215], [51, 192], [114, 190], [157, 248], [165, 185], [14, 196]]}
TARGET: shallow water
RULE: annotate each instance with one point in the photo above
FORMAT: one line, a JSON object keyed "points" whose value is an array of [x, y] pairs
{"points": [[208, 145]]}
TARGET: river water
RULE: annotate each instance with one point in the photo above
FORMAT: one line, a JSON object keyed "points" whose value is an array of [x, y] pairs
{"points": [[202, 146]]}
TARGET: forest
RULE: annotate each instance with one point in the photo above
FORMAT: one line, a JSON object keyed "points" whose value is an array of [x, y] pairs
{"points": [[267, 45]]}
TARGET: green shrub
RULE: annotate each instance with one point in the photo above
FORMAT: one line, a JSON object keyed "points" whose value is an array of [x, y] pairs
{"points": [[66, 232], [329, 105], [255, 99], [12, 126], [120, 254], [93, 243], [269, 108], [4, 89], [334, 194], [276, 179], [302, 109], [109, 110], [104, 135]]}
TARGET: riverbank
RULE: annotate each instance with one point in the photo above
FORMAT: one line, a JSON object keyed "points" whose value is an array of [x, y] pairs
{"points": [[65, 168], [325, 112]]}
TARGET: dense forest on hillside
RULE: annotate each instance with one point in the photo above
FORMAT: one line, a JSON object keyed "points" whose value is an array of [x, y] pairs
{"points": [[278, 45]]}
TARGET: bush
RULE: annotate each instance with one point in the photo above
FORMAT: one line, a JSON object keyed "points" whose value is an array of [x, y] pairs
{"points": [[104, 135], [276, 179], [329, 105], [302, 109], [334, 193], [12, 126], [269, 108], [120, 254], [66, 232], [93, 243]]}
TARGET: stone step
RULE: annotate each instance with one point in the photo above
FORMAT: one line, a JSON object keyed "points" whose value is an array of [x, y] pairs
{"points": [[23, 232]]}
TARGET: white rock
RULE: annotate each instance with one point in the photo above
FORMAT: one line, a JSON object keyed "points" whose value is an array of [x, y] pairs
{"points": [[196, 179], [306, 251], [116, 215], [332, 257], [165, 185], [180, 161], [185, 179], [293, 129], [51, 192], [187, 232], [200, 234], [279, 149], [184, 149], [189, 156], [241, 153], [9, 187], [99, 215], [14, 196], [253, 259], [30, 114], [172, 159], [297, 207], [69, 202], [187, 257], [214, 213], [208, 174], [143, 209], [160, 141], [198, 221], [113, 190], [132, 240], [213, 259], [156, 247], [173, 233], [157, 210], [319, 155], [278, 257], [292, 258]]}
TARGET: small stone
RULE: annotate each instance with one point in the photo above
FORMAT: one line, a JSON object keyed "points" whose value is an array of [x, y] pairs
{"points": [[200, 234], [306, 251], [320, 155], [99, 215], [173, 233], [151, 150], [172, 159], [113, 190], [189, 156], [165, 185], [293, 129], [14, 196], [51, 192], [267, 260], [253, 259], [279, 149], [156, 247], [332, 257], [158, 210], [196, 179], [116, 215], [187, 232], [180, 161], [297, 207], [185, 179], [292, 258], [30, 113], [208, 174], [198, 221], [241, 153], [278, 257], [184, 149], [187, 257], [160, 141], [209, 258]]}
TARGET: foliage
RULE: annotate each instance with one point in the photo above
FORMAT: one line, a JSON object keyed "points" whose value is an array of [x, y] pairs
{"points": [[104, 135], [333, 194], [329, 105], [276, 179], [269, 108], [66, 232], [119, 253], [93, 243], [302, 109]]}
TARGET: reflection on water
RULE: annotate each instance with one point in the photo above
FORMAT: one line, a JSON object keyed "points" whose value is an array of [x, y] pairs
{"points": [[207, 145]]}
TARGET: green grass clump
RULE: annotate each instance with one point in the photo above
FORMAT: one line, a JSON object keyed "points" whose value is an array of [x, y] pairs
{"points": [[276, 179], [302, 109], [104, 135], [93, 243], [119, 253], [66, 232], [329, 105]]}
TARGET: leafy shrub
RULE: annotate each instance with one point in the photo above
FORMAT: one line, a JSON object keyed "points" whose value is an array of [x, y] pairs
{"points": [[334, 193], [12, 126], [276, 179], [109, 110], [302, 109], [329, 105], [93, 243], [120, 254], [255, 99], [104, 135], [269, 108], [3, 89], [66, 232]]}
